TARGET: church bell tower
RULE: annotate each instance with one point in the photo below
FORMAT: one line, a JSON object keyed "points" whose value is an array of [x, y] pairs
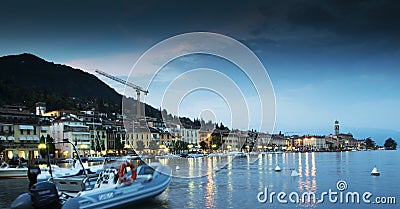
{"points": [[337, 128]]}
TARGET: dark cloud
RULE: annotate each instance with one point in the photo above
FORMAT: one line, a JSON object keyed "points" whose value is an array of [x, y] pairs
{"points": [[310, 15], [342, 17], [303, 23]]}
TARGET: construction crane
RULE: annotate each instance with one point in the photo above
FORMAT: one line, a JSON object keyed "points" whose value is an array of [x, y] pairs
{"points": [[137, 88]]}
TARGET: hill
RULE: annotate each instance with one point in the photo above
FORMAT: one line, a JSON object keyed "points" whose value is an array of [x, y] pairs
{"points": [[26, 79]]}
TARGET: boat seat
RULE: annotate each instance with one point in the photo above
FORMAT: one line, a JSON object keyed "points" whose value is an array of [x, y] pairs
{"points": [[107, 177], [70, 184], [75, 183]]}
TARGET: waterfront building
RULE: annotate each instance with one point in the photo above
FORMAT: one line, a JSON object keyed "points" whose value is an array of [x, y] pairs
{"points": [[72, 128], [116, 137], [347, 140], [166, 140], [27, 140], [279, 141], [21, 140], [190, 135], [20, 131], [314, 143], [138, 135], [297, 143], [234, 140], [263, 141], [97, 132]]}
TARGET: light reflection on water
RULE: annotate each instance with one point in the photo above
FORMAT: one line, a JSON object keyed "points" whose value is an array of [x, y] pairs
{"points": [[238, 183]]}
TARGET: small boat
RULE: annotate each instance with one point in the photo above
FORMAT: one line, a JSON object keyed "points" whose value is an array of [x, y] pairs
{"points": [[278, 169], [237, 154], [96, 159], [59, 172], [118, 184], [294, 173], [7, 171], [375, 172]]}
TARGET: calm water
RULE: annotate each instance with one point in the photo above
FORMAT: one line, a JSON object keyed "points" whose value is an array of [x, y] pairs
{"points": [[202, 185]]}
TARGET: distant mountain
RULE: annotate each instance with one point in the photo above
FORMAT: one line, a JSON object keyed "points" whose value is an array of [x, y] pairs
{"points": [[30, 71], [26, 79]]}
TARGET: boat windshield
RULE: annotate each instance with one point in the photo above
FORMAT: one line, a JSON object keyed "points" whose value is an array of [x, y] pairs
{"points": [[115, 162]]}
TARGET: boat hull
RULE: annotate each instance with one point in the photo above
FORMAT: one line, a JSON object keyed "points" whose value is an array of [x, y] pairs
{"points": [[118, 196], [14, 173]]}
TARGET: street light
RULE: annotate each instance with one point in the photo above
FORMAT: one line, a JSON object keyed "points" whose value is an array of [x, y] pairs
{"points": [[42, 146], [114, 135]]}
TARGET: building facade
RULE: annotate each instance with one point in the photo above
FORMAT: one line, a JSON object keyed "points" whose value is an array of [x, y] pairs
{"points": [[74, 130]]}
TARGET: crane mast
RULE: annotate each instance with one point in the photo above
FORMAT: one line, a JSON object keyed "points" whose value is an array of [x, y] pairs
{"points": [[137, 88]]}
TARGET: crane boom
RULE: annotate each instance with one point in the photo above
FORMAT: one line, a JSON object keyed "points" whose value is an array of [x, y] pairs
{"points": [[136, 87]]}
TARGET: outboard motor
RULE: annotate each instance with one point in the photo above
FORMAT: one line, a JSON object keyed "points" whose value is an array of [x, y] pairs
{"points": [[33, 172], [44, 195]]}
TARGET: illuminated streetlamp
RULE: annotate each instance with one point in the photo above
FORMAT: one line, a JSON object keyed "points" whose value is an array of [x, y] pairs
{"points": [[42, 146]]}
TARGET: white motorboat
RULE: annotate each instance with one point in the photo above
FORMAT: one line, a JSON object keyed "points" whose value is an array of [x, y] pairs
{"points": [[60, 172], [118, 184], [7, 171], [237, 154], [96, 159]]}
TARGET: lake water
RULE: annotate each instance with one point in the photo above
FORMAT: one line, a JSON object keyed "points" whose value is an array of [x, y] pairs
{"points": [[200, 184]]}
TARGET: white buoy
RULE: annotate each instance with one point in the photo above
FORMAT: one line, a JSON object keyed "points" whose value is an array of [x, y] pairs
{"points": [[375, 172], [294, 173], [278, 169], [177, 167]]}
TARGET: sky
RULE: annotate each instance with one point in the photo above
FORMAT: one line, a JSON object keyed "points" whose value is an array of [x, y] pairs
{"points": [[325, 60]]}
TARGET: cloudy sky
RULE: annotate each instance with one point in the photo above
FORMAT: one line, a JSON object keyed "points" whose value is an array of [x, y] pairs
{"points": [[327, 60]]}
